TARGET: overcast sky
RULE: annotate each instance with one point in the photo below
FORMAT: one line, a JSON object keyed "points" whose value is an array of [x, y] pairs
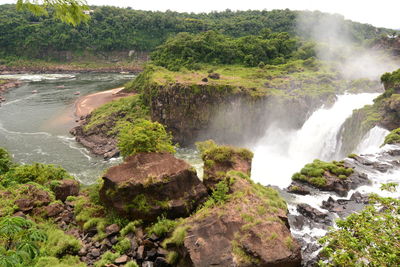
{"points": [[381, 13]]}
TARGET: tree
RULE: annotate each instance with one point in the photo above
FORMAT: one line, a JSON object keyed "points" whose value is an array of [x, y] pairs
{"points": [[144, 136], [68, 11], [368, 238]]}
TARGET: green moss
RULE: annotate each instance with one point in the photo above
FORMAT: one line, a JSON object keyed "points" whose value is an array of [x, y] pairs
{"points": [[242, 256], [67, 261], [352, 156], [393, 137], [106, 259], [122, 246], [140, 203], [211, 153], [131, 264], [178, 236], [313, 173], [163, 226], [60, 244], [172, 257], [129, 228]]}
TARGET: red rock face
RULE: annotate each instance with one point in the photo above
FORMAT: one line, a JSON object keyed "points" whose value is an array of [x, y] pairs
{"points": [[148, 185], [238, 234], [66, 188]]}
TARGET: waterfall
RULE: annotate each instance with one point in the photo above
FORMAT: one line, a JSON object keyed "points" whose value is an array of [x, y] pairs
{"points": [[280, 153], [372, 141]]}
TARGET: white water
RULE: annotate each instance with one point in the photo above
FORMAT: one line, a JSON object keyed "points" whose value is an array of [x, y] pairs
{"points": [[280, 153], [372, 141]]}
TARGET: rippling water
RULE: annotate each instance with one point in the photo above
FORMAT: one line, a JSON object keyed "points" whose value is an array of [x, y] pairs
{"points": [[34, 127]]}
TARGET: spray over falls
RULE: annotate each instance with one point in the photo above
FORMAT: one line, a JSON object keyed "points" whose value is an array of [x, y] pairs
{"points": [[280, 153]]}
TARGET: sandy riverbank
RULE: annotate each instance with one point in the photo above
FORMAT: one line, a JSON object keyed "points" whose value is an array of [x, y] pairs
{"points": [[86, 104]]}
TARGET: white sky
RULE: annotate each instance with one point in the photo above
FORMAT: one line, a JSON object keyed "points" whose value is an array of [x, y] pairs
{"points": [[381, 13]]}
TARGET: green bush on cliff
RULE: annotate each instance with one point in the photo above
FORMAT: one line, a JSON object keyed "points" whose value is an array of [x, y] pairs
{"points": [[210, 151], [393, 137], [5, 161], [144, 136], [367, 238], [36, 172]]}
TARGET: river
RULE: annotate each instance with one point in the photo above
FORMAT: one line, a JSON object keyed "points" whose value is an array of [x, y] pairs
{"points": [[34, 126]]}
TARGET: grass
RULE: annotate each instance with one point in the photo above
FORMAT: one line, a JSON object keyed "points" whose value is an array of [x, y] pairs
{"points": [[178, 237], [211, 153], [295, 78], [60, 244], [163, 226], [127, 109]]}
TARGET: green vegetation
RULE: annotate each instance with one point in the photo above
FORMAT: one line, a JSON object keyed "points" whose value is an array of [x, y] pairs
{"points": [[37, 173], [60, 244], [314, 173], [68, 11], [123, 29], [178, 236], [186, 50], [163, 226], [126, 109], [367, 238], [210, 151], [393, 137], [5, 161], [106, 259], [144, 136], [20, 241], [242, 256]]}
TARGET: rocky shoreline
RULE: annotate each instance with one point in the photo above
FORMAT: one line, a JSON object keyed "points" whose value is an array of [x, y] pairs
{"points": [[67, 69], [6, 85]]}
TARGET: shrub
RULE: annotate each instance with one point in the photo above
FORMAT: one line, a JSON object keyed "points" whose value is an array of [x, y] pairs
{"points": [[20, 241], [393, 137], [5, 161], [37, 172], [367, 238], [163, 226], [60, 244], [144, 136]]}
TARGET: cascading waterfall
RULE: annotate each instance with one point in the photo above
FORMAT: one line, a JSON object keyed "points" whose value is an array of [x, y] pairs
{"points": [[280, 152], [372, 141]]}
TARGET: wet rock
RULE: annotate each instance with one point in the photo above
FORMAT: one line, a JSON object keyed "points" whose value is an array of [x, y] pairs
{"points": [[161, 262], [95, 253], [148, 185], [204, 80], [121, 260], [147, 264], [140, 253], [65, 188], [313, 213], [112, 229], [296, 188]]}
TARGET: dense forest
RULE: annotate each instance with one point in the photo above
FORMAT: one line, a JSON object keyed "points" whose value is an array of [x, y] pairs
{"points": [[119, 29]]}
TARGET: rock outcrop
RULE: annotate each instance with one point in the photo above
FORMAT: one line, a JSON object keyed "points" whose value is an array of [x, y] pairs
{"points": [[247, 225], [249, 229], [65, 188], [5, 85], [148, 185], [97, 140]]}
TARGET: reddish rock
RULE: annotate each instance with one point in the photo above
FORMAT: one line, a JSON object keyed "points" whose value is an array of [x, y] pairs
{"points": [[112, 229], [32, 197], [219, 160], [121, 260], [148, 185], [241, 233], [65, 188]]}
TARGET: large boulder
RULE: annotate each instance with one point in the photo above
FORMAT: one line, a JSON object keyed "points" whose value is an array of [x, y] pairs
{"points": [[249, 229], [219, 160], [148, 185], [65, 188]]}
